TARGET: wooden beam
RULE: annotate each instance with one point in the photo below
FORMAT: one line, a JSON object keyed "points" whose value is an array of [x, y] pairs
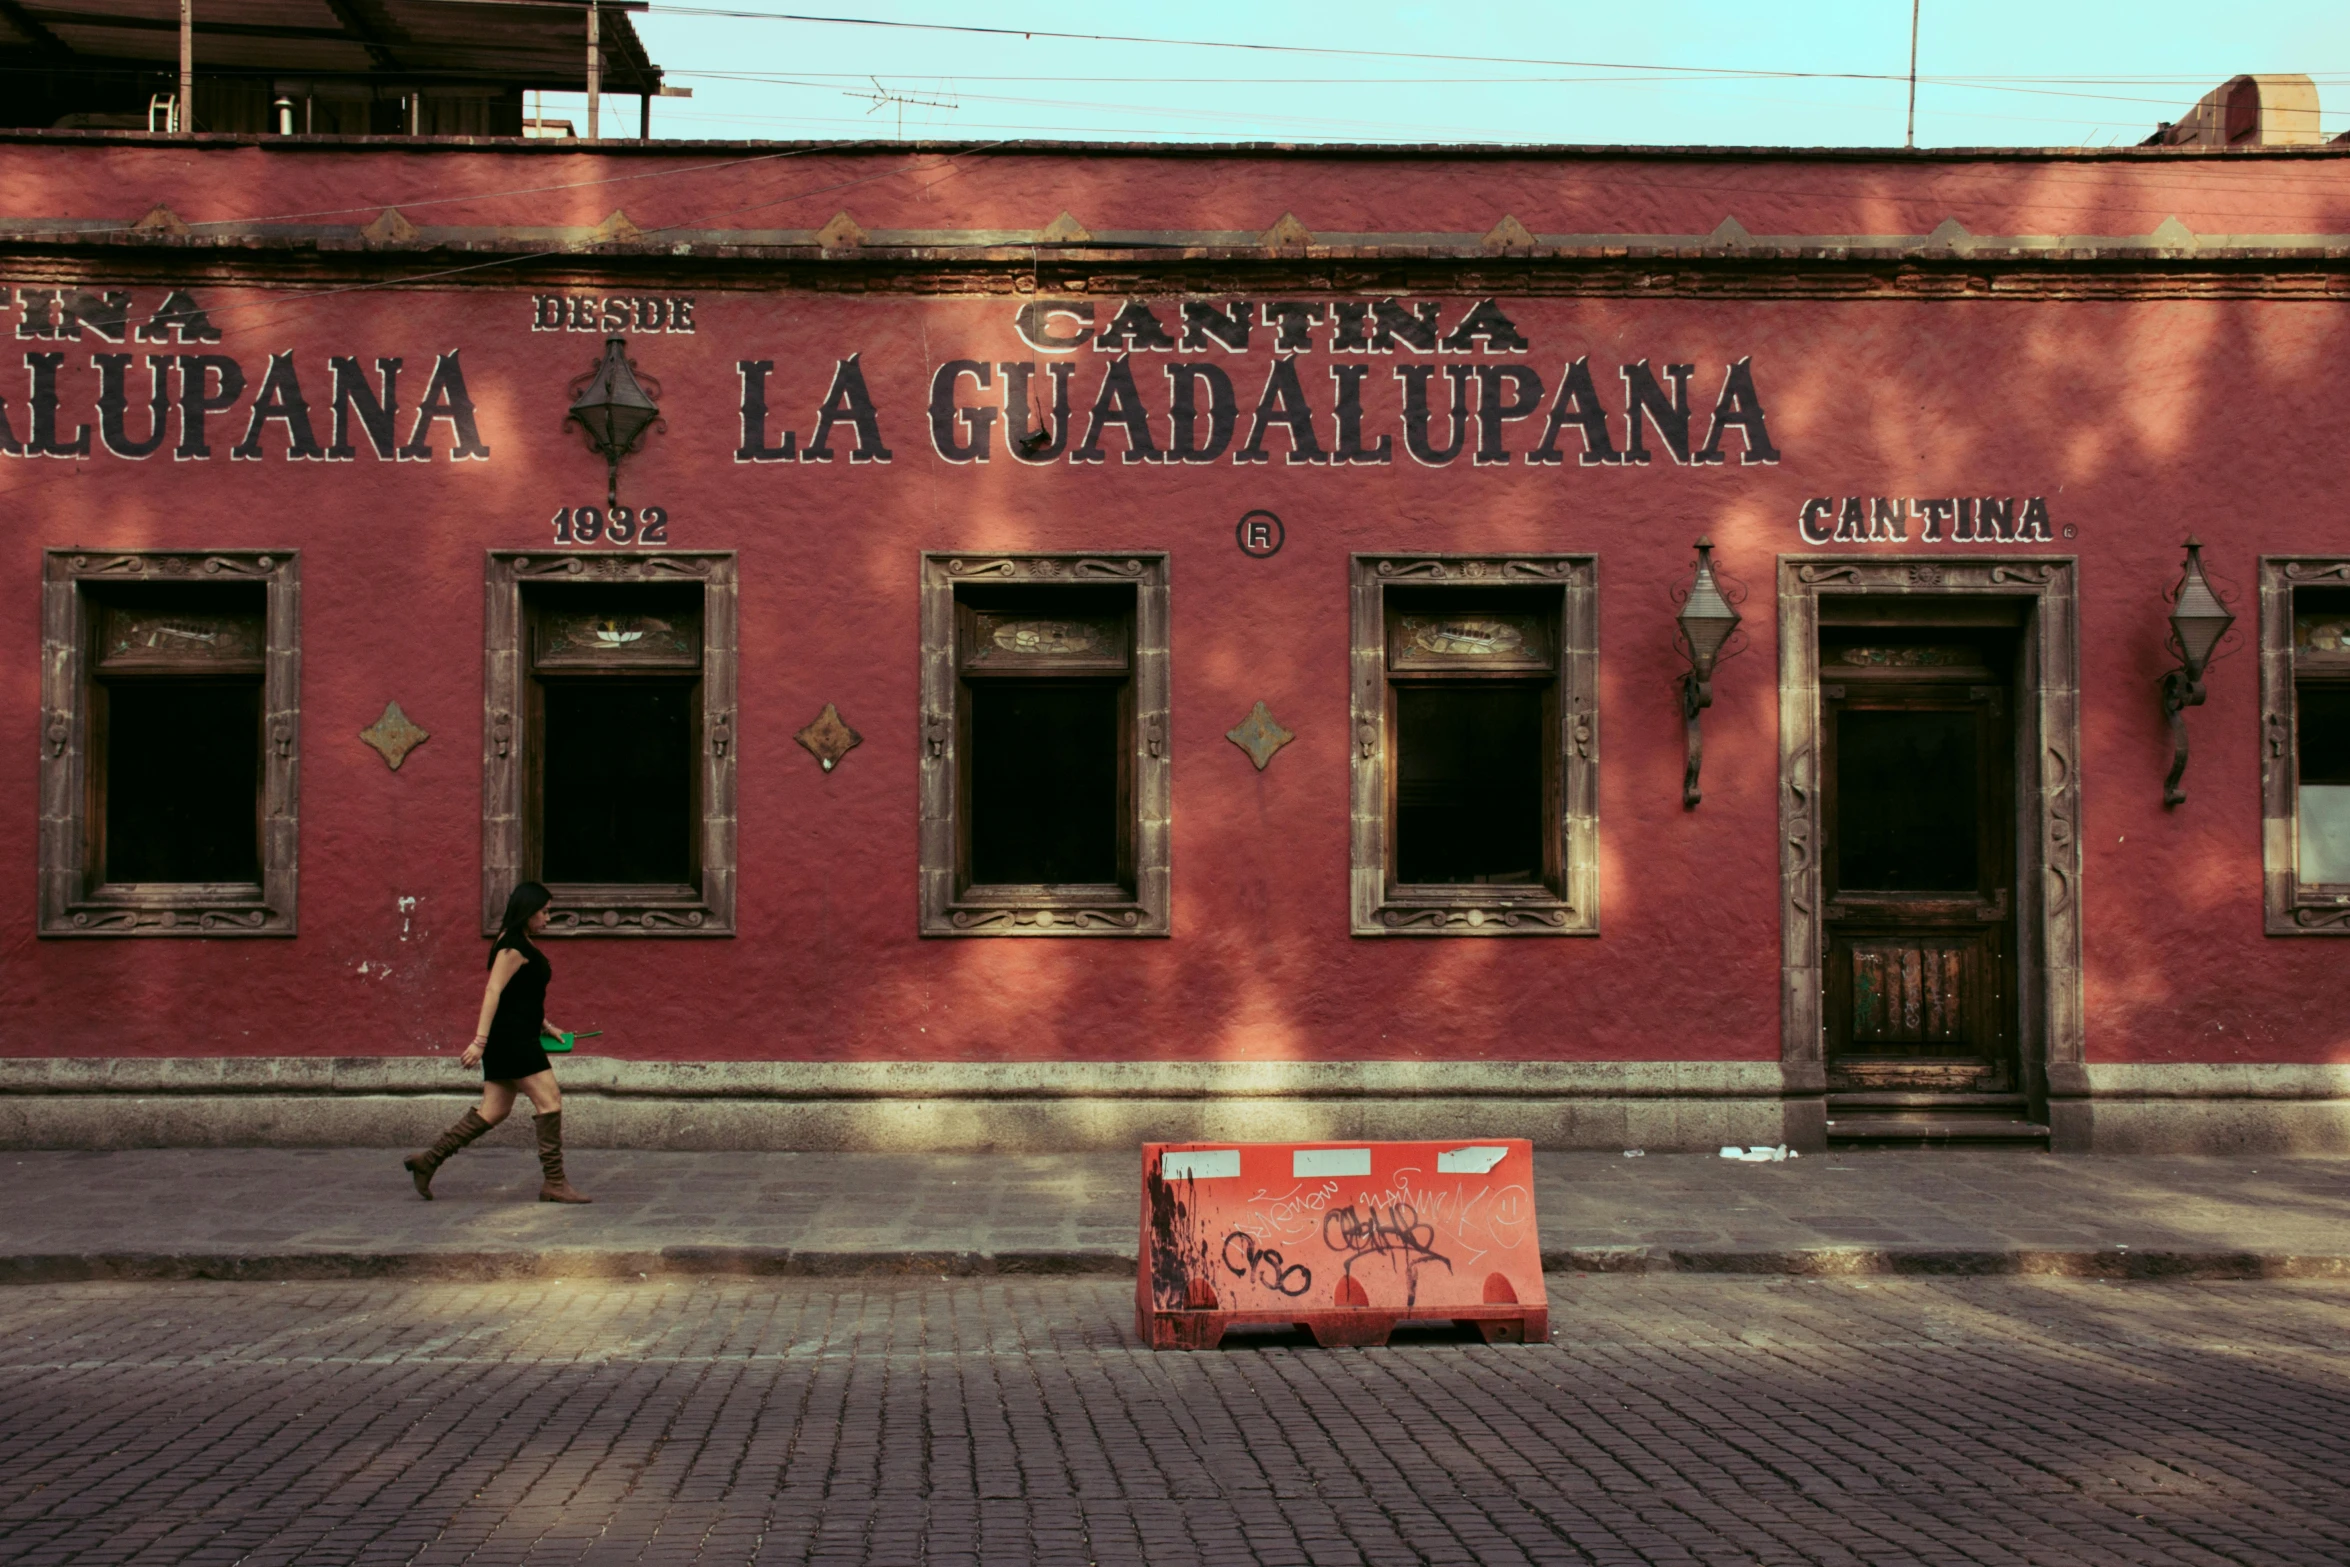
{"points": [[24, 22], [358, 27]]}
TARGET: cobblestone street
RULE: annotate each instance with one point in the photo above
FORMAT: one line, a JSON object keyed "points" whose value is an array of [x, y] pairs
{"points": [[1678, 1419]]}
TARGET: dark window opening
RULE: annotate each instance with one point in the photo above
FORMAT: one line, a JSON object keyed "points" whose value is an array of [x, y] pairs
{"points": [[1044, 782], [617, 781], [1907, 801], [2324, 732], [1469, 785], [183, 781]]}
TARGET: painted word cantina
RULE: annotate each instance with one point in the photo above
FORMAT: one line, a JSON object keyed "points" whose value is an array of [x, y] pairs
{"points": [[1051, 646]]}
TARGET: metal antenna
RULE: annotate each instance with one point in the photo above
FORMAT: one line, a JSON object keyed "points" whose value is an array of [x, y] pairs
{"points": [[1909, 137], [882, 97]]}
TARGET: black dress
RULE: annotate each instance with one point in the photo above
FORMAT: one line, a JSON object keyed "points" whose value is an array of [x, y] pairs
{"points": [[513, 1051]]}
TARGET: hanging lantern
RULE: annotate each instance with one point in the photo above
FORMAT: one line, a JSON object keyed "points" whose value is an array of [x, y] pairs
{"points": [[615, 410], [1706, 621], [2197, 621]]}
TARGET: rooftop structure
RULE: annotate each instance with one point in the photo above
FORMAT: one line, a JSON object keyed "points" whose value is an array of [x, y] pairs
{"points": [[311, 67], [2278, 110]]}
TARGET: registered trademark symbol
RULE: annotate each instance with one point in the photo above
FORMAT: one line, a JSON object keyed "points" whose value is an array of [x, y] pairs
{"points": [[1260, 535]]}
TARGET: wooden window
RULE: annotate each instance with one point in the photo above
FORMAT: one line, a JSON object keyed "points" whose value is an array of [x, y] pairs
{"points": [[608, 728], [168, 782], [1476, 738], [2305, 750], [1044, 765]]}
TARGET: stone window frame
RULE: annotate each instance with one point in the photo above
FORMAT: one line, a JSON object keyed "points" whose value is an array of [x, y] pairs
{"points": [[505, 777], [943, 910], [72, 904], [2052, 1030], [1379, 908], [2287, 908]]}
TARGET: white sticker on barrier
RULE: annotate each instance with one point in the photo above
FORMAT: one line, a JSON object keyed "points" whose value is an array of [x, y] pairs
{"points": [[1330, 1161], [1469, 1161], [1200, 1164]]}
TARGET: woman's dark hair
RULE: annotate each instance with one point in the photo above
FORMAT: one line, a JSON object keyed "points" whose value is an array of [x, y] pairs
{"points": [[514, 930]]}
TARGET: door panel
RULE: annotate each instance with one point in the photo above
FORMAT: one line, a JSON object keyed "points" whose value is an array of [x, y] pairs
{"points": [[1919, 870], [1918, 992], [1910, 993]]}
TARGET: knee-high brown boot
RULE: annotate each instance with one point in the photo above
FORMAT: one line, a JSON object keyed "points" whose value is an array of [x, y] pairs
{"points": [[554, 1188], [421, 1165]]}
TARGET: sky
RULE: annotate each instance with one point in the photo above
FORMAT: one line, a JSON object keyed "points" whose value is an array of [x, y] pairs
{"points": [[1818, 72]]}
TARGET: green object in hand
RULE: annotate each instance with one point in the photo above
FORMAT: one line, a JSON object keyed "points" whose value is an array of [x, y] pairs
{"points": [[560, 1044]]}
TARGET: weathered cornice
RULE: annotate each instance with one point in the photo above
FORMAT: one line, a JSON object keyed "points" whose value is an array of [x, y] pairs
{"points": [[1628, 271]]}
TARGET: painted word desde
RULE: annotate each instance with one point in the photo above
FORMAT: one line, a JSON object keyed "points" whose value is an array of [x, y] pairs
{"points": [[587, 313], [1953, 519]]}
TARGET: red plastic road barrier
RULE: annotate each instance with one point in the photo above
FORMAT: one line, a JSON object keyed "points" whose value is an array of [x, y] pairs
{"points": [[1345, 1240]]}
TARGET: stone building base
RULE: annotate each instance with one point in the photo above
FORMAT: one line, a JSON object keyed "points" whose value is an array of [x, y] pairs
{"points": [[895, 1106], [2189, 1108], [955, 1107]]}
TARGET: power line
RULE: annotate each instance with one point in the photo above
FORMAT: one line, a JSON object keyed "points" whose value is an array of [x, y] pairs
{"points": [[1263, 117], [828, 78], [1339, 51]]}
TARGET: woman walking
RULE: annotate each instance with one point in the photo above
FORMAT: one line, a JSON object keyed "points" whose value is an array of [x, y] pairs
{"points": [[506, 1043]]}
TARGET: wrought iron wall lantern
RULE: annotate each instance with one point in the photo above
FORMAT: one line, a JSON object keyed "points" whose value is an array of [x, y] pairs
{"points": [[1707, 621], [613, 404], [2197, 621]]}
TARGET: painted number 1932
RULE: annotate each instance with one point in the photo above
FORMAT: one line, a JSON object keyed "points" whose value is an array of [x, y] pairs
{"points": [[621, 525]]}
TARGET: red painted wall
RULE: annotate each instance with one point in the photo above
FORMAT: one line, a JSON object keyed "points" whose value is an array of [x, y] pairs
{"points": [[2138, 421]]}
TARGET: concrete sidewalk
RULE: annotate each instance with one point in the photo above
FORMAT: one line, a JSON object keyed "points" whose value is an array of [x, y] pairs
{"points": [[289, 1213]]}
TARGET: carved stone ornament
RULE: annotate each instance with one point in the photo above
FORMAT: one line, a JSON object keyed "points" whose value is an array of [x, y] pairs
{"points": [[1259, 736], [1472, 917], [828, 739], [394, 735], [627, 917]]}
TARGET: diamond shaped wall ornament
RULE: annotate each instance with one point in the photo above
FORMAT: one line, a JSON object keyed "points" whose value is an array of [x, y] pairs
{"points": [[390, 227], [842, 233], [160, 219], [828, 739], [1507, 235], [618, 229], [1259, 736], [1286, 234], [394, 735]]}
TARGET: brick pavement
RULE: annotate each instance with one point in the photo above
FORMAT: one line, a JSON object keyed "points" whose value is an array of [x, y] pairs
{"points": [[1678, 1419], [263, 1213]]}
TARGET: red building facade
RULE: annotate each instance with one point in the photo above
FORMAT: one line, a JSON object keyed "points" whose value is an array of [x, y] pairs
{"points": [[893, 738]]}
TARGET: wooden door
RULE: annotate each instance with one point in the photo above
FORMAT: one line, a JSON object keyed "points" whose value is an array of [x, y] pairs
{"points": [[1919, 869]]}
